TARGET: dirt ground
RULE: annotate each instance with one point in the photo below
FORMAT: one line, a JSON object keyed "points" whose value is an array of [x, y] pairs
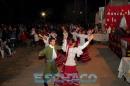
{"points": [[19, 70]]}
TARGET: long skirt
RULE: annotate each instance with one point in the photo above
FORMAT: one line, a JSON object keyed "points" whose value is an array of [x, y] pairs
{"points": [[68, 77], [85, 56]]}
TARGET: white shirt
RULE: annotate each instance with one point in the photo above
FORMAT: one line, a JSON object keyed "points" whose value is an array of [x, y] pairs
{"points": [[36, 38], [33, 32], [54, 55], [72, 52]]}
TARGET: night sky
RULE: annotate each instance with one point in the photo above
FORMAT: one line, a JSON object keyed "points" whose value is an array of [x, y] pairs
{"points": [[28, 11]]}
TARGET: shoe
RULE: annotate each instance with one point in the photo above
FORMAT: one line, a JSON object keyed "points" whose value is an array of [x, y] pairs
{"points": [[45, 84]]}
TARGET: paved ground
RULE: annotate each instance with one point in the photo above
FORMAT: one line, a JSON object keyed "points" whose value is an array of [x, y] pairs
{"points": [[104, 64]]}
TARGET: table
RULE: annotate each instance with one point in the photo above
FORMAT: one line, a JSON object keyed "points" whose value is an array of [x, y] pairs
{"points": [[101, 37], [125, 47], [124, 68]]}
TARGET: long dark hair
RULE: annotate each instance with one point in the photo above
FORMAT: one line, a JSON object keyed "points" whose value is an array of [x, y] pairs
{"points": [[71, 41]]}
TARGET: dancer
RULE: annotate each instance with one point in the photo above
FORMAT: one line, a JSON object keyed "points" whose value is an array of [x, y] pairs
{"points": [[50, 53], [69, 74], [45, 39], [83, 37]]}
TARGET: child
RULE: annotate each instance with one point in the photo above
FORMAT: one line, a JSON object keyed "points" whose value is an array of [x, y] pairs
{"points": [[69, 67], [50, 53], [82, 37]]}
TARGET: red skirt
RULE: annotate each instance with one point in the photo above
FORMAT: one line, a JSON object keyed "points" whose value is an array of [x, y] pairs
{"points": [[68, 77], [85, 56], [61, 58], [77, 42]]}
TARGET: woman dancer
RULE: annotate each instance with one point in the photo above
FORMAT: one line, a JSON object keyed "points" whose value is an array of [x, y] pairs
{"points": [[83, 37], [69, 74]]}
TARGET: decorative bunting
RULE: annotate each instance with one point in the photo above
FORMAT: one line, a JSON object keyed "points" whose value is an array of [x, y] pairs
{"points": [[115, 13], [111, 13], [121, 13], [108, 13], [122, 10], [107, 20], [114, 20]]}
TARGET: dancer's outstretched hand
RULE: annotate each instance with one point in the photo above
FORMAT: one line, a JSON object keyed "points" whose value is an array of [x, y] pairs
{"points": [[65, 36]]}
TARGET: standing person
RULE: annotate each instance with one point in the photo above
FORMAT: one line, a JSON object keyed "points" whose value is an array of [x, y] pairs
{"points": [[45, 39], [4, 34], [23, 37], [1, 49], [13, 38], [4, 48], [36, 39], [61, 54], [50, 53], [74, 34], [69, 71], [33, 31], [82, 37]]}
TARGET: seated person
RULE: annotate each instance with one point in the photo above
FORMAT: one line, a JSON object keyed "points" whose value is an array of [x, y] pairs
{"points": [[4, 48]]}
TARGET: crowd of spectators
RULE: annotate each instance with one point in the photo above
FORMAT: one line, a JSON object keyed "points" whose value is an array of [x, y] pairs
{"points": [[18, 35]]}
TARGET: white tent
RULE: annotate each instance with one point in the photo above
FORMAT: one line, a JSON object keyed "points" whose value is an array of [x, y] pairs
{"points": [[109, 30], [123, 23]]}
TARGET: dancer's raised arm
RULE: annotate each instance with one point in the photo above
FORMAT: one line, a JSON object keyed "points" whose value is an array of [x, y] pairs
{"points": [[64, 45], [86, 43]]}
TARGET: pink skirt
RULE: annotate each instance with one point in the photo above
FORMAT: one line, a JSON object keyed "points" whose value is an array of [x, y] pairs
{"points": [[68, 77]]}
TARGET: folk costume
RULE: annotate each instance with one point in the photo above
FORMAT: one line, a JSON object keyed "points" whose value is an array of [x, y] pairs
{"points": [[69, 74], [50, 54], [85, 56]]}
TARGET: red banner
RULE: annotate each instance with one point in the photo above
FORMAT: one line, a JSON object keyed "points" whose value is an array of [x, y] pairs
{"points": [[114, 14]]}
